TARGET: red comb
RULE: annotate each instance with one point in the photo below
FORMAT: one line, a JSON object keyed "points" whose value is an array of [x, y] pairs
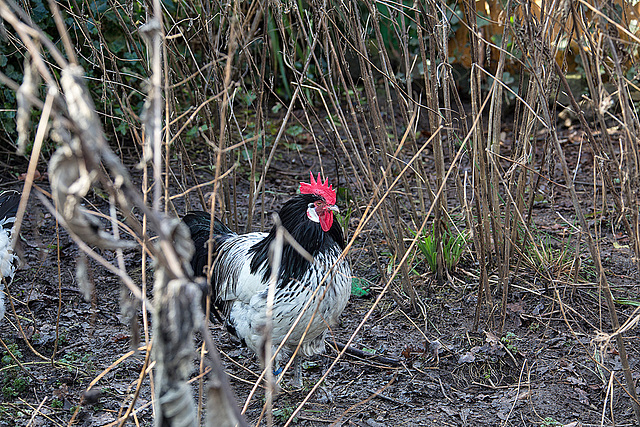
{"points": [[319, 188]]}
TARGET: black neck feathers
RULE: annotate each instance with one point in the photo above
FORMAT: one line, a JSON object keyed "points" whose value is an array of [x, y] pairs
{"points": [[307, 233]]}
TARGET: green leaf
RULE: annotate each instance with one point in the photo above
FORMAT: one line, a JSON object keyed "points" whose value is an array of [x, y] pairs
{"points": [[626, 301], [118, 45], [344, 196], [122, 127], [276, 108], [294, 130], [360, 287], [39, 13]]}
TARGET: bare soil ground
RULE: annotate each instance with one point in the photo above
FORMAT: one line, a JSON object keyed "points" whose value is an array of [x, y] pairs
{"points": [[543, 369]]}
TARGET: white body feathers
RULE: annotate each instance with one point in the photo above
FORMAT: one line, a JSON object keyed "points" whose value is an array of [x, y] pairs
{"points": [[246, 295], [8, 260]]}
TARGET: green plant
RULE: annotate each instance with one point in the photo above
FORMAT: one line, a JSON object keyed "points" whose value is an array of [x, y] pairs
{"points": [[8, 413], [344, 198], [283, 414], [549, 256], [360, 287], [57, 404], [9, 393], [62, 338], [13, 349], [94, 28], [627, 301], [13, 383], [20, 384], [71, 357], [549, 421], [453, 245], [510, 341]]}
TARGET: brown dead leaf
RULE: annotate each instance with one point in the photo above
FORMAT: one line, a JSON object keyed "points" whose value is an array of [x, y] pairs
{"points": [[37, 176], [491, 338], [516, 307]]}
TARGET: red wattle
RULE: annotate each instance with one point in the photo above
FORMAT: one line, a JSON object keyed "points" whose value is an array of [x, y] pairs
{"points": [[326, 221]]}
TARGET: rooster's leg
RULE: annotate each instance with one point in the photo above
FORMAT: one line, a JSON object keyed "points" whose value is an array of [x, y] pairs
{"points": [[297, 372]]}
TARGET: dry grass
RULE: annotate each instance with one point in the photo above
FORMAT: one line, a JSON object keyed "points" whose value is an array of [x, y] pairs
{"points": [[377, 96]]}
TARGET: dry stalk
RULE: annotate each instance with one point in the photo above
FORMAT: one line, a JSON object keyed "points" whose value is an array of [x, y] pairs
{"points": [[370, 107], [595, 254]]}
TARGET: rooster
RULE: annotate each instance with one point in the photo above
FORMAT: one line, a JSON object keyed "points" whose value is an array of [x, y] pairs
{"points": [[241, 274], [9, 201]]}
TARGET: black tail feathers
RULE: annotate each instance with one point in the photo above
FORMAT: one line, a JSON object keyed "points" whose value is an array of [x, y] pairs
{"points": [[9, 201], [199, 224]]}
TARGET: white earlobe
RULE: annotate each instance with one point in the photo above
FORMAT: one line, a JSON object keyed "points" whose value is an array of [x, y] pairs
{"points": [[312, 214]]}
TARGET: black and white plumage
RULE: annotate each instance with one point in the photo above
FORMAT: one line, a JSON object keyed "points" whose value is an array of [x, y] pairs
{"points": [[9, 201], [241, 274]]}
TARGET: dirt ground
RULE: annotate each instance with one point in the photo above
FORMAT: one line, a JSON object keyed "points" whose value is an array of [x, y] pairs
{"points": [[544, 369]]}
